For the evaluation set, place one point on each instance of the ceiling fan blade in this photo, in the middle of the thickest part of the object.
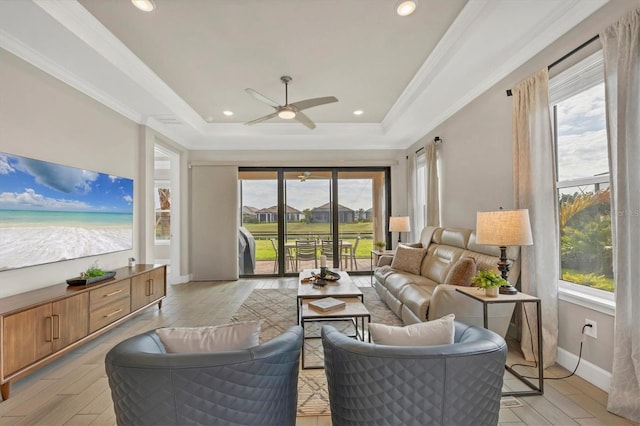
(309, 103)
(262, 98)
(261, 119)
(304, 120)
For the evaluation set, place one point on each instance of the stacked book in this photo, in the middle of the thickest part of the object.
(327, 304)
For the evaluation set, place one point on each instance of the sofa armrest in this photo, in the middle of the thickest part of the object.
(446, 300)
(385, 260)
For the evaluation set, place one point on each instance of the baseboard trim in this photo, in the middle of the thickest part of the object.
(590, 372)
(182, 279)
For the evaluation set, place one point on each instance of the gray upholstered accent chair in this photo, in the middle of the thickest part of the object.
(257, 386)
(457, 384)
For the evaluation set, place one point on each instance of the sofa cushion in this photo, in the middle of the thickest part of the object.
(417, 298)
(228, 337)
(408, 259)
(437, 332)
(439, 260)
(462, 272)
(397, 281)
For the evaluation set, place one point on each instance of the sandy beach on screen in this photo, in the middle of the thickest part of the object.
(33, 245)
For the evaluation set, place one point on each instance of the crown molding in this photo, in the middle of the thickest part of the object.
(45, 64)
(76, 19)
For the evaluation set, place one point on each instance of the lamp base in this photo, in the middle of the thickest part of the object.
(508, 289)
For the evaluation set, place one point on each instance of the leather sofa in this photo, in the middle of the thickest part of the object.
(456, 384)
(427, 296)
(255, 386)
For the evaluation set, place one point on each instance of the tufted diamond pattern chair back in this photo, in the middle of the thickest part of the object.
(458, 384)
(257, 386)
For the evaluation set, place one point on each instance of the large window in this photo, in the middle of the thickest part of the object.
(578, 102)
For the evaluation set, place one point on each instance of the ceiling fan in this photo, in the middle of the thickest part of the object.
(289, 111)
(307, 175)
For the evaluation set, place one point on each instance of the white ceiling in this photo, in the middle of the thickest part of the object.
(177, 68)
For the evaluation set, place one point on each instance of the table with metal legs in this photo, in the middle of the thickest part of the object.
(519, 298)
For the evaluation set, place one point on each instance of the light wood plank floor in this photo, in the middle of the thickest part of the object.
(73, 390)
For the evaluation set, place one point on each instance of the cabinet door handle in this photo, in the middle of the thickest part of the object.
(113, 293)
(117, 311)
(48, 329)
(151, 288)
(56, 327)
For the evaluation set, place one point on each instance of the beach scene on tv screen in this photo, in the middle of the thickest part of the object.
(50, 212)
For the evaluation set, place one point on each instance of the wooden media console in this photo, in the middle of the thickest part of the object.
(41, 325)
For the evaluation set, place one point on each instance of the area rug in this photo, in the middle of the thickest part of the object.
(277, 310)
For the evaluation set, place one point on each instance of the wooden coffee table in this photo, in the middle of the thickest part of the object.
(343, 289)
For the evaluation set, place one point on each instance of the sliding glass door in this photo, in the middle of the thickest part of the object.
(362, 213)
(296, 218)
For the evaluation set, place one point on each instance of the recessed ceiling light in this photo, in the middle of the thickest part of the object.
(228, 113)
(144, 5)
(406, 7)
(358, 112)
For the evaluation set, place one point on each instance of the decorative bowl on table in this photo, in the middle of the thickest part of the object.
(330, 276)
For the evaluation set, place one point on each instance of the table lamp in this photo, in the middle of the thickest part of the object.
(504, 228)
(399, 224)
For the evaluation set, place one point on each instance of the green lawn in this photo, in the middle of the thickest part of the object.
(264, 249)
(262, 233)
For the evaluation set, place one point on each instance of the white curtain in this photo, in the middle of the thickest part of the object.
(432, 185)
(413, 198)
(534, 183)
(621, 47)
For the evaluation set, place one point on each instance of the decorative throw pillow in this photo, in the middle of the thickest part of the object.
(436, 332)
(408, 259)
(228, 337)
(461, 272)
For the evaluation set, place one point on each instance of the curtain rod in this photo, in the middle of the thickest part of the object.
(577, 49)
(436, 140)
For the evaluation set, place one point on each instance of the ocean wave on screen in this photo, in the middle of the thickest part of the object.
(28, 246)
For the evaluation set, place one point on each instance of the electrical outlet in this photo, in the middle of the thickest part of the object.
(593, 330)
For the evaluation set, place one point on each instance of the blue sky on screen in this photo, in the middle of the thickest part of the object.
(28, 184)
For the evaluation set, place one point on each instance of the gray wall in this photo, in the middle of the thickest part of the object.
(43, 118)
(477, 172)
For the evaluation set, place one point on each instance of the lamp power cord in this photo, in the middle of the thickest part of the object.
(535, 361)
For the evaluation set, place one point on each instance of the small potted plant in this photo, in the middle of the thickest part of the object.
(490, 281)
(380, 245)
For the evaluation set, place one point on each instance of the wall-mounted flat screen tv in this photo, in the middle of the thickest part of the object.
(50, 212)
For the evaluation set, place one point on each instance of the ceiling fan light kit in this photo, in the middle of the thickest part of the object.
(286, 113)
(289, 111)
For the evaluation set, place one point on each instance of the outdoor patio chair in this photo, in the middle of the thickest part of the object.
(354, 261)
(288, 259)
(306, 250)
(326, 249)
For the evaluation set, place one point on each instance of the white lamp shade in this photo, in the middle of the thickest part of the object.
(399, 224)
(504, 228)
